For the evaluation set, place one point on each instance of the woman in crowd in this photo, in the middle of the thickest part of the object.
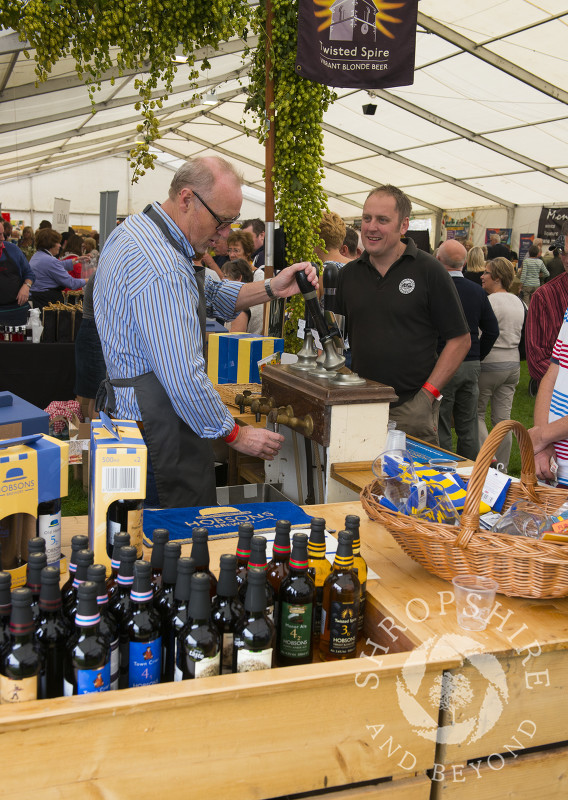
(475, 265)
(500, 369)
(16, 278)
(26, 242)
(244, 322)
(51, 275)
(240, 244)
(533, 268)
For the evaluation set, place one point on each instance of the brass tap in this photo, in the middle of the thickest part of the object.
(261, 405)
(284, 415)
(246, 399)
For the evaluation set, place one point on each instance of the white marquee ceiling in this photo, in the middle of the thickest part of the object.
(485, 123)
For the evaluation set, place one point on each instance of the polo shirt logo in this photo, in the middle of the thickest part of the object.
(406, 286)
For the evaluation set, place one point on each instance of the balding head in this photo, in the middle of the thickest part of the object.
(452, 254)
(494, 238)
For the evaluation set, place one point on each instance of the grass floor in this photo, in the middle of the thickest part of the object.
(75, 504)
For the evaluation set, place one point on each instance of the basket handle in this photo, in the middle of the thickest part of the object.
(470, 515)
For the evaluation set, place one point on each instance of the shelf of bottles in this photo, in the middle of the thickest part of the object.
(171, 619)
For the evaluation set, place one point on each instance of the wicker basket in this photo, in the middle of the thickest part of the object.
(522, 567)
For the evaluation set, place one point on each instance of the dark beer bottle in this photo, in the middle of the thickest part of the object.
(352, 523)
(257, 563)
(253, 643)
(318, 566)
(198, 653)
(125, 515)
(36, 562)
(108, 623)
(87, 668)
(78, 542)
(246, 532)
(120, 540)
(277, 567)
(177, 619)
(159, 537)
(51, 634)
(84, 560)
(140, 634)
(164, 598)
(200, 554)
(119, 597)
(340, 607)
(36, 545)
(297, 608)
(48, 527)
(227, 609)
(20, 662)
(5, 608)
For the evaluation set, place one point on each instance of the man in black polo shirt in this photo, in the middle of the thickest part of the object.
(398, 301)
(462, 391)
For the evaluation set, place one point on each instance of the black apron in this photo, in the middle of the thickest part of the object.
(10, 281)
(183, 463)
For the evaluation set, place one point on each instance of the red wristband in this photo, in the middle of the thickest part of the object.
(432, 389)
(233, 435)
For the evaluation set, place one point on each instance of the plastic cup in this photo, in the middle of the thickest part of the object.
(443, 464)
(475, 597)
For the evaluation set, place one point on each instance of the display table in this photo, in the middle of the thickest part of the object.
(326, 725)
(39, 373)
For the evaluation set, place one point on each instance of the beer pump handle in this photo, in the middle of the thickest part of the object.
(313, 306)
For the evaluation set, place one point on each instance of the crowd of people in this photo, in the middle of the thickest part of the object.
(445, 330)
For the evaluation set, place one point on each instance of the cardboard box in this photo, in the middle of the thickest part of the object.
(234, 357)
(33, 470)
(20, 418)
(117, 471)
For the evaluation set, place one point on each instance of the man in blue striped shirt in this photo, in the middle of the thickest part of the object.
(150, 306)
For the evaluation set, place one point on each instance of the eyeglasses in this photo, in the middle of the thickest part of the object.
(486, 272)
(221, 223)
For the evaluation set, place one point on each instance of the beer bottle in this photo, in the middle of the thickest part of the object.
(87, 668)
(297, 607)
(318, 566)
(108, 623)
(5, 608)
(119, 597)
(140, 634)
(173, 624)
(246, 532)
(48, 527)
(159, 537)
(36, 545)
(51, 634)
(20, 662)
(120, 540)
(36, 562)
(257, 563)
(253, 643)
(200, 554)
(78, 542)
(84, 560)
(198, 653)
(164, 598)
(340, 605)
(227, 608)
(277, 567)
(125, 515)
(352, 522)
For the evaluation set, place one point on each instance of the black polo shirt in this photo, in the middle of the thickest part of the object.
(393, 322)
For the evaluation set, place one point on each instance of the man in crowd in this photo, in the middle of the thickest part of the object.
(256, 228)
(16, 279)
(462, 391)
(496, 247)
(545, 315)
(150, 307)
(350, 247)
(399, 301)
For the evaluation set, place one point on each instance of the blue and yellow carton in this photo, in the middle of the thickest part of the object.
(33, 470)
(117, 463)
(234, 357)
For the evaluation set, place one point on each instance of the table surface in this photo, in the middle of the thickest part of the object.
(419, 603)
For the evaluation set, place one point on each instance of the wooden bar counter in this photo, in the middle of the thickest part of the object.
(429, 710)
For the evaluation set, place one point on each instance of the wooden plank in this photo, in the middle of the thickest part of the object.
(528, 777)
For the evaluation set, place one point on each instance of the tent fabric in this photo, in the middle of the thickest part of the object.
(484, 124)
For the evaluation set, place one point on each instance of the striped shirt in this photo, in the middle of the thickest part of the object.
(146, 310)
(544, 319)
(559, 400)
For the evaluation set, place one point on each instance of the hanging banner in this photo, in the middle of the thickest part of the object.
(60, 221)
(552, 223)
(504, 234)
(361, 44)
(525, 241)
(457, 231)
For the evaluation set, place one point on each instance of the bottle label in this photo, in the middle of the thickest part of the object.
(206, 667)
(318, 624)
(362, 604)
(93, 680)
(135, 530)
(67, 689)
(343, 619)
(114, 663)
(227, 645)
(49, 528)
(112, 529)
(251, 661)
(144, 662)
(178, 674)
(295, 629)
(19, 690)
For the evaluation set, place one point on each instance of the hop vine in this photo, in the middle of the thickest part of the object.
(299, 106)
(126, 36)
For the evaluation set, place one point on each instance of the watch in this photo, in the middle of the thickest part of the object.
(268, 289)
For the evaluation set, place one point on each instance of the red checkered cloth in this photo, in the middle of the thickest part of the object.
(61, 410)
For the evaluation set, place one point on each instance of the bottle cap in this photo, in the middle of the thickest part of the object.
(199, 601)
(36, 562)
(257, 553)
(160, 536)
(97, 574)
(5, 584)
(317, 523)
(50, 594)
(21, 619)
(172, 553)
(185, 569)
(36, 545)
(228, 585)
(87, 609)
(199, 535)
(141, 586)
(84, 560)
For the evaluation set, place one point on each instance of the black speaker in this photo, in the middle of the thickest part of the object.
(369, 109)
